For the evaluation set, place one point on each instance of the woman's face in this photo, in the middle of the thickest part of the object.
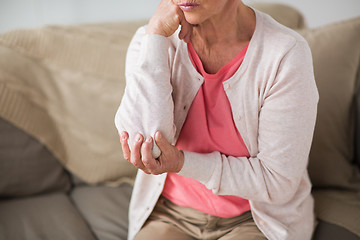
(198, 11)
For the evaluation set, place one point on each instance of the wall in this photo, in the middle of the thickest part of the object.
(320, 12)
(33, 13)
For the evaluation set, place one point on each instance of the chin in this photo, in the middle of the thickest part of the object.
(193, 19)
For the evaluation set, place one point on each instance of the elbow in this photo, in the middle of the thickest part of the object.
(117, 121)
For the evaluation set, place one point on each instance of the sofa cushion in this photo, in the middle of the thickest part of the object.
(63, 85)
(357, 122)
(48, 216)
(26, 166)
(328, 231)
(336, 56)
(105, 209)
(341, 208)
(284, 14)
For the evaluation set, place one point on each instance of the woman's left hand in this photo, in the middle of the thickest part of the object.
(170, 160)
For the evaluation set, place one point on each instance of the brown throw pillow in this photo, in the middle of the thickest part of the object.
(26, 165)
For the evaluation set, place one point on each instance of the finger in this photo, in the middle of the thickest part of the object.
(186, 32)
(162, 142)
(135, 153)
(150, 163)
(124, 136)
(186, 29)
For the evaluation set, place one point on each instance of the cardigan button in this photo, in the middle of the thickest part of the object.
(226, 86)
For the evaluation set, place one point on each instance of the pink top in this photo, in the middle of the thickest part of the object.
(209, 127)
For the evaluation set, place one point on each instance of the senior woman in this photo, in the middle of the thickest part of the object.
(218, 115)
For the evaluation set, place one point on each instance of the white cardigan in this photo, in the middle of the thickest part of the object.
(273, 97)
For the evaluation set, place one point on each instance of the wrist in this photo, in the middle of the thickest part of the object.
(153, 28)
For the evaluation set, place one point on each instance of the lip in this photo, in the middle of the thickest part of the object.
(188, 6)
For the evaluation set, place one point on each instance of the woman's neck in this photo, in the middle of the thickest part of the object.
(217, 41)
(235, 24)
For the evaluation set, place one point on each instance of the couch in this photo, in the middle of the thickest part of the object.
(62, 175)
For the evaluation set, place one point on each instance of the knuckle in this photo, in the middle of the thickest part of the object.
(126, 155)
(152, 168)
(148, 164)
(131, 160)
(134, 160)
(138, 165)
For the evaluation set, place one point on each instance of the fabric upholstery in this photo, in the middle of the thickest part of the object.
(47, 216)
(70, 84)
(105, 209)
(66, 94)
(357, 122)
(336, 56)
(285, 14)
(50, 79)
(26, 166)
(328, 231)
(340, 208)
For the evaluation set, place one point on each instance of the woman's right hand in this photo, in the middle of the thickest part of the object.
(170, 160)
(166, 20)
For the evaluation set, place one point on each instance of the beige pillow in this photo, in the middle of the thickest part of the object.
(335, 176)
(284, 14)
(336, 55)
(63, 85)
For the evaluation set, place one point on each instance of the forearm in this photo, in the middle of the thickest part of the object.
(249, 178)
(147, 104)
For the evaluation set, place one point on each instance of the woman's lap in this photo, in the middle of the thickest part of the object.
(170, 221)
(157, 230)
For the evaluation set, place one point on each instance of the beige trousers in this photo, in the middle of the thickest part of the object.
(170, 221)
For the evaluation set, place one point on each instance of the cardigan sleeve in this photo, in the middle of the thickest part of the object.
(147, 105)
(286, 120)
